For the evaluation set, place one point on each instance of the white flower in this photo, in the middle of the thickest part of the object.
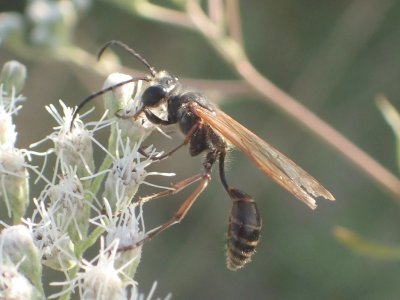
(12, 78)
(128, 173)
(13, 285)
(13, 168)
(127, 228)
(9, 107)
(51, 237)
(67, 220)
(8, 134)
(124, 101)
(14, 180)
(17, 251)
(100, 279)
(68, 203)
(73, 144)
(17, 243)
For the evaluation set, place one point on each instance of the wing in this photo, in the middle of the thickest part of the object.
(273, 163)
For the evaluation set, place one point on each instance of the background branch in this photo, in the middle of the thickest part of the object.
(234, 54)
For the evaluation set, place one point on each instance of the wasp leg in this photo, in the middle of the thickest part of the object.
(176, 188)
(187, 139)
(178, 216)
(181, 213)
(155, 119)
(186, 205)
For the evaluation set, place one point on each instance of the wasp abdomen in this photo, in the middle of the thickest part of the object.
(243, 231)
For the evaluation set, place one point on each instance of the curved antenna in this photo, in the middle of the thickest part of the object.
(101, 92)
(129, 50)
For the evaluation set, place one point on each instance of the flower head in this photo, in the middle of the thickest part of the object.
(14, 181)
(123, 102)
(51, 238)
(15, 286)
(14, 187)
(129, 172)
(12, 77)
(127, 228)
(73, 144)
(68, 203)
(18, 249)
(99, 278)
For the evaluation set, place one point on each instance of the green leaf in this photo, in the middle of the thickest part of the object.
(365, 247)
(392, 117)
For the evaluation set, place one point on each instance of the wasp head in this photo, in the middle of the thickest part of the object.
(161, 88)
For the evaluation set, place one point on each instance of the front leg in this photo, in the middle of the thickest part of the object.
(155, 119)
(149, 115)
(187, 139)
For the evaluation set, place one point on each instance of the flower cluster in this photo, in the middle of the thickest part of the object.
(70, 215)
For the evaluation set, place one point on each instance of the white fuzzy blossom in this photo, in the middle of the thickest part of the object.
(68, 203)
(102, 278)
(124, 101)
(19, 264)
(51, 237)
(99, 278)
(13, 285)
(13, 167)
(9, 106)
(67, 217)
(128, 172)
(13, 180)
(128, 229)
(72, 145)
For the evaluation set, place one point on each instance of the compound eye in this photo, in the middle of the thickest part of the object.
(153, 95)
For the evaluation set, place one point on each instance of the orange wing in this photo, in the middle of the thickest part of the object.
(273, 163)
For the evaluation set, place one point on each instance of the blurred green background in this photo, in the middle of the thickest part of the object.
(334, 57)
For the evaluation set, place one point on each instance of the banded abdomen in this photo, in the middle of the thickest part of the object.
(243, 231)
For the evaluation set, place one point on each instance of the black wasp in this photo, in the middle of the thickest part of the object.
(209, 130)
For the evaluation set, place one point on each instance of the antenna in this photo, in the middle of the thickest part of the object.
(129, 50)
(101, 92)
(153, 73)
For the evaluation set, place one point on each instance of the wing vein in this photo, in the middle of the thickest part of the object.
(272, 162)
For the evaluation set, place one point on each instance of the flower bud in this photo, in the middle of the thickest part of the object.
(8, 135)
(73, 147)
(119, 97)
(127, 230)
(124, 101)
(15, 286)
(12, 77)
(15, 179)
(58, 256)
(100, 279)
(69, 206)
(17, 244)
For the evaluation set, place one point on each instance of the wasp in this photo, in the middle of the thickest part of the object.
(209, 130)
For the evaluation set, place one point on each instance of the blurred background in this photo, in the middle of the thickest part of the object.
(334, 57)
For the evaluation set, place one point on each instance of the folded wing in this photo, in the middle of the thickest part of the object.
(273, 163)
